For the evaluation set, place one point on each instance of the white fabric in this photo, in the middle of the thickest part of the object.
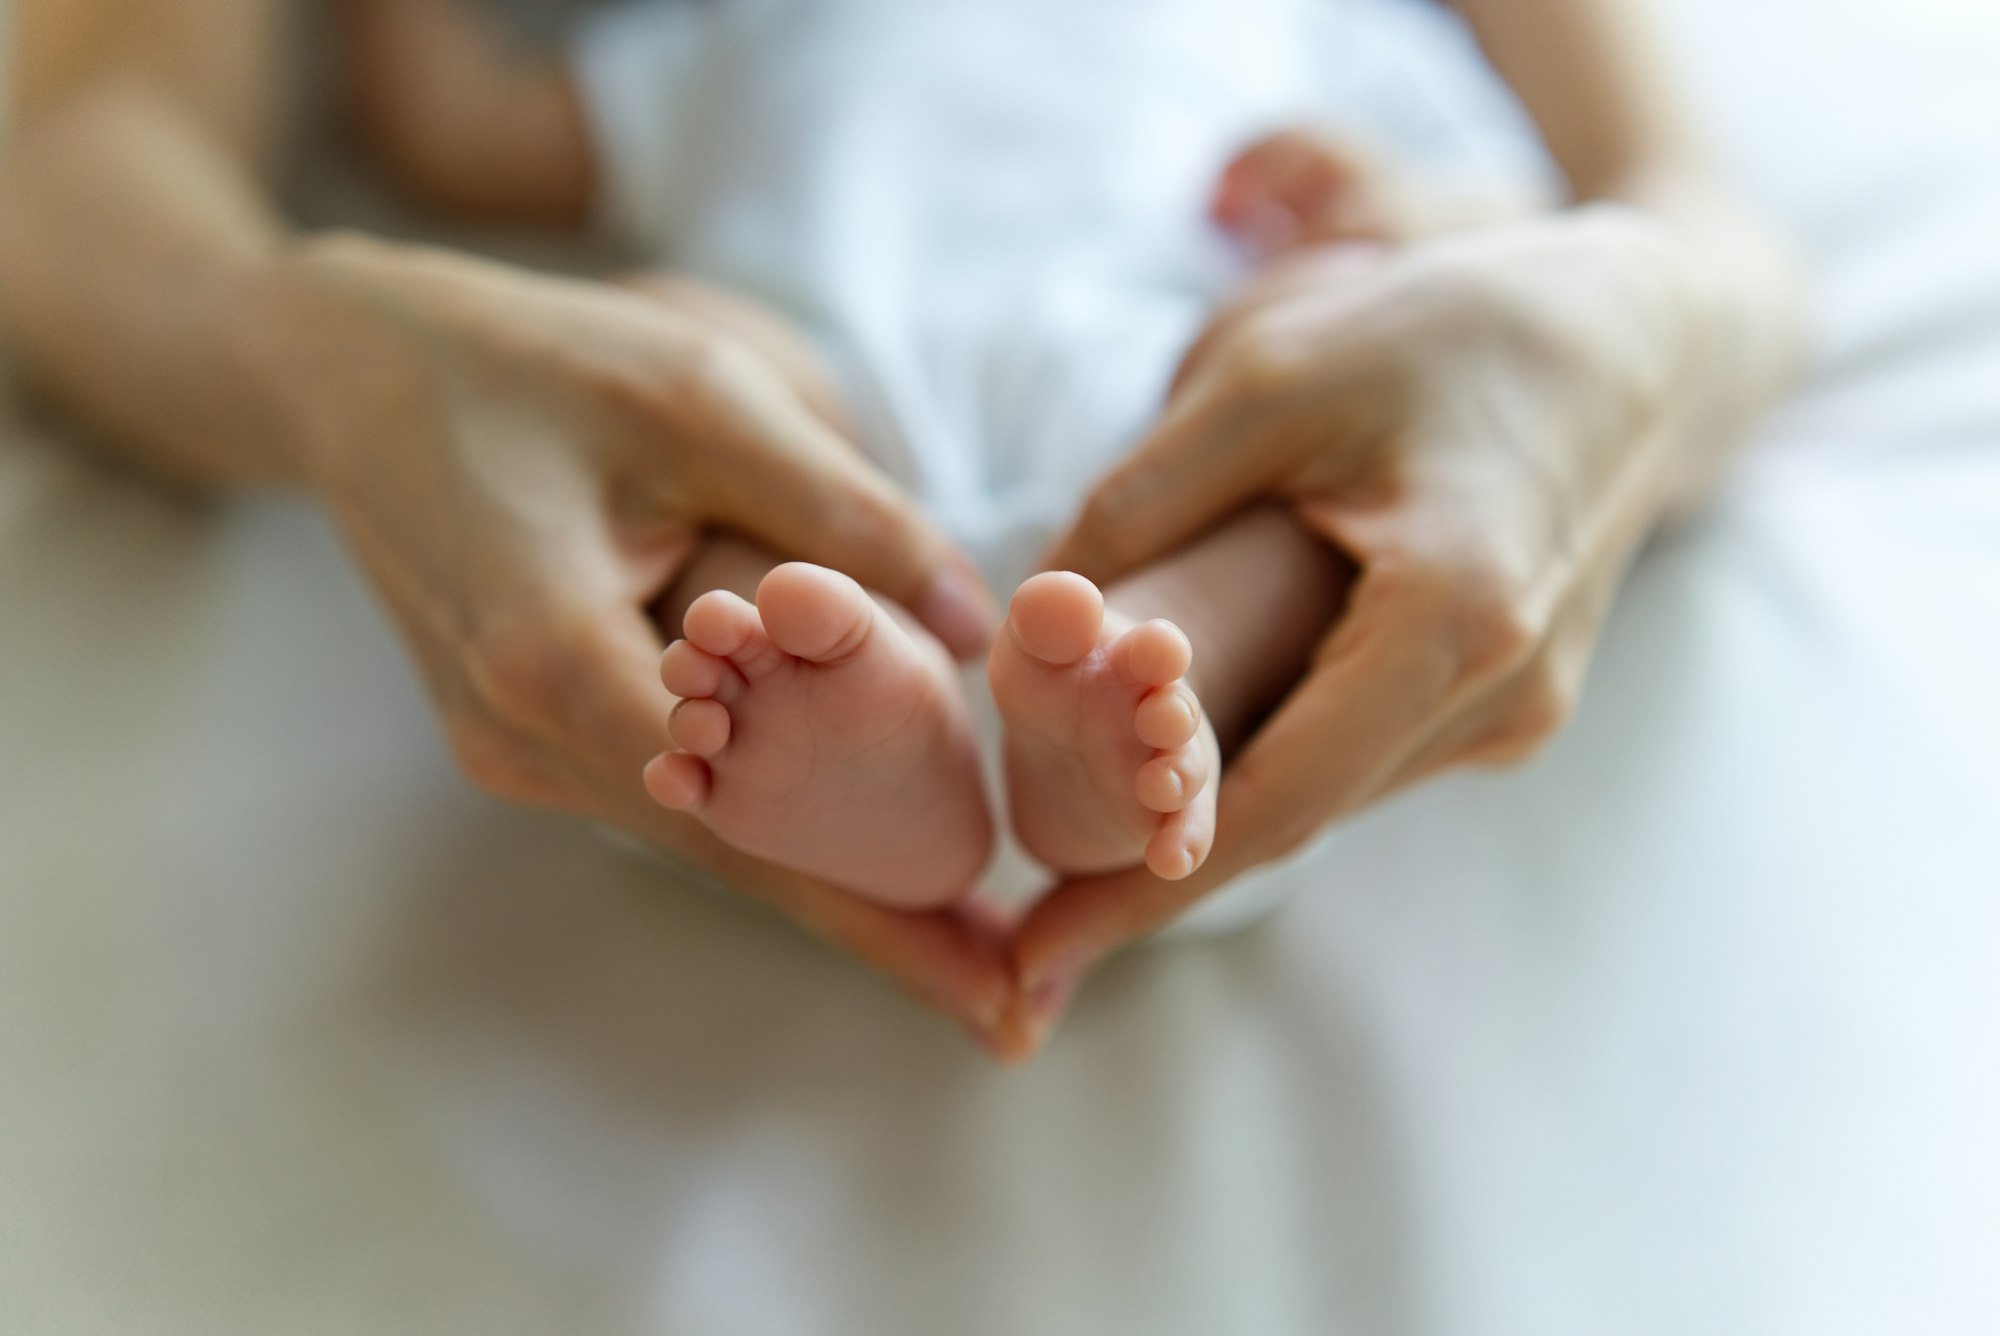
(1685, 1029)
(991, 213)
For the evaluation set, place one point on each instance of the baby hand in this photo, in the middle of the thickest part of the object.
(1311, 186)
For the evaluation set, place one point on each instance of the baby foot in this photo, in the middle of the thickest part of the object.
(1108, 756)
(819, 733)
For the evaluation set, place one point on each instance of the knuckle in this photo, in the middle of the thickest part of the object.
(699, 382)
(1493, 630)
(715, 371)
(1266, 357)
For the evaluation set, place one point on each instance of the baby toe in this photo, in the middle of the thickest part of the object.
(1182, 842)
(1170, 782)
(700, 726)
(677, 781)
(721, 623)
(1167, 717)
(689, 671)
(1056, 617)
(814, 613)
(1154, 653)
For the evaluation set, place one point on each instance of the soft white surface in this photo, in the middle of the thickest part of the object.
(1684, 1030)
(991, 214)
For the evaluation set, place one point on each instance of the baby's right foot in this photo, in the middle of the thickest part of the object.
(1108, 756)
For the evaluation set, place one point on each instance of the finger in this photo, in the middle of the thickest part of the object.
(494, 755)
(1082, 920)
(1379, 693)
(936, 957)
(1285, 288)
(1517, 718)
(1203, 461)
(803, 491)
(617, 712)
(762, 330)
(939, 958)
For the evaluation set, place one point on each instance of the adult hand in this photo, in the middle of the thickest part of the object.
(1489, 425)
(520, 465)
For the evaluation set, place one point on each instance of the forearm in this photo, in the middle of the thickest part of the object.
(134, 228)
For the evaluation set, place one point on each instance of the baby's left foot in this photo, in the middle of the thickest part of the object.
(819, 733)
(1108, 756)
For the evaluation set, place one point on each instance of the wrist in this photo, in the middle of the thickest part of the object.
(1743, 289)
(296, 347)
(1742, 277)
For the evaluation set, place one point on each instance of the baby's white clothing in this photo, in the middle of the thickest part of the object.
(991, 214)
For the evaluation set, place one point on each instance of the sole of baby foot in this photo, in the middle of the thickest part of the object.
(1109, 759)
(819, 732)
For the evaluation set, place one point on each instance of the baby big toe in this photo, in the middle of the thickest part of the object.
(1056, 617)
(700, 726)
(813, 613)
(1168, 783)
(677, 781)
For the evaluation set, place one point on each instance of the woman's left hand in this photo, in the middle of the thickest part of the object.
(1488, 426)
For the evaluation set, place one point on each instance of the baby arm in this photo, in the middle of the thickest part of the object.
(1312, 186)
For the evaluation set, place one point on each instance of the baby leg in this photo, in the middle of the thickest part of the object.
(1120, 706)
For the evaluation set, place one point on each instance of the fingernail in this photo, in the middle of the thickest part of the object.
(1043, 1006)
(1048, 991)
(956, 608)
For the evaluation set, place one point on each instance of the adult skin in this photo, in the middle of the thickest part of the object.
(1489, 425)
(518, 463)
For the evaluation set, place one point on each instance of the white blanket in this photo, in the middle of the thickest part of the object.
(1684, 1029)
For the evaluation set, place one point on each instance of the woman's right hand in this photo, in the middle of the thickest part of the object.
(520, 465)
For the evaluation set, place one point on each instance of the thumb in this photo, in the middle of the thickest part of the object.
(1202, 462)
(804, 491)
